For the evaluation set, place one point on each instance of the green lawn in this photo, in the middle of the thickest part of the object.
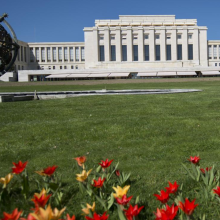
(151, 135)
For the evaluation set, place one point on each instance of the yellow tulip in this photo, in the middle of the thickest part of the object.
(43, 191)
(89, 207)
(6, 180)
(41, 172)
(56, 214)
(120, 191)
(83, 176)
(48, 213)
(43, 214)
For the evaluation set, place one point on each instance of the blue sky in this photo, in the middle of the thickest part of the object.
(64, 20)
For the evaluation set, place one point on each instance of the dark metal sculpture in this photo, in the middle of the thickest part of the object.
(8, 44)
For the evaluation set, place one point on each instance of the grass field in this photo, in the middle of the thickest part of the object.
(151, 135)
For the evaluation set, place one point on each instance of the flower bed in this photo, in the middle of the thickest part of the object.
(106, 191)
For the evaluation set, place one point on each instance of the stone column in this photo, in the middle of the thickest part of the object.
(152, 44)
(40, 58)
(68, 54)
(107, 44)
(57, 51)
(129, 44)
(45, 52)
(118, 44)
(51, 54)
(96, 44)
(140, 44)
(63, 60)
(162, 44)
(80, 54)
(173, 44)
(185, 44)
(196, 44)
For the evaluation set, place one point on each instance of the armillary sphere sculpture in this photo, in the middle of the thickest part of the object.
(8, 44)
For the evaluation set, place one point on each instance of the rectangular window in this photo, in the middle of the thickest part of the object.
(157, 52)
(146, 36)
(135, 37)
(25, 54)
(71, 53)
(135, 52)
(54, 54)
(43, 54)
(37, 54)
(179, 52)
(124, 52)
(157, 36)
(189, 36)
(61, 67)
(21, 53)
(210, 51)
(48, 54)
(101, 37)
(190, 51)
(168, 36)
(179, 36)
(168, 51)
(65, 67)
(215, 64)
(31, 55)
(60, 54)
(146, 52)
(65, 54)
(215, 51)
(112, 37)
(82, 54)
(219, 50)
(77, 53)
(113, 53)
(101, 53)
(54, 67)
(72, 67)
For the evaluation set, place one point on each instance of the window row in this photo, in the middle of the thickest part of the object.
(146, 52)
(214, 51)
(146, 36)
(63, 54)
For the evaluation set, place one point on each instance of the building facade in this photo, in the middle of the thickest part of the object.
(133, 45)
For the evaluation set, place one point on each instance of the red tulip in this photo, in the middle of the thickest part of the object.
(166, 214)
(105, 163)
(99, 183)
(207, 169)
(19, 167)
(132, 211)
(117, 173)
(30, 217)
(163, 197)
(13, 216)
(194, 160)
(49, 170)
(98, 217)
(172, 187)
(42, 200)
(70, 218)
(124, 200)
(188, 207)
(80, 160)
(217, 191)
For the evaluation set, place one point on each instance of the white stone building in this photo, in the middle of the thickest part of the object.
(132, 46)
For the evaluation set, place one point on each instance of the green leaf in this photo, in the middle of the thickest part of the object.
(188, 171)
(98, 169)
(53, 186)
(111, 201)
(137, 200)
(120, 213)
